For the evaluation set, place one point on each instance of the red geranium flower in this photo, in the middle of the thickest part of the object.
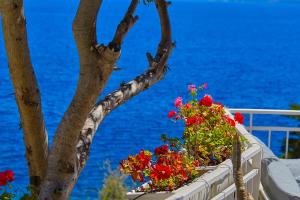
(239, 118)
(196, 120)
(161, 150)
(171, 113)
(187, 106)
(10, 175)
(230, 121)
(160, 172)
(3, 182)
(6, 176)
(144, 159)
(206, 101)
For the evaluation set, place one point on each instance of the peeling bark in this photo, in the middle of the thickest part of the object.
(26, 89)
(156, 71)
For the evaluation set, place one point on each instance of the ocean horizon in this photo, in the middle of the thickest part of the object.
(247, 53)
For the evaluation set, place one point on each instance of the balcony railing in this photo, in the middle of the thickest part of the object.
(270, 129)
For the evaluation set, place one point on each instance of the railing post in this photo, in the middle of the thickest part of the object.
(269, 138)
(287, 144)
(251, 122)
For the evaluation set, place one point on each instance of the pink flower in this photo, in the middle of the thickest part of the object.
(192, 88)
(178, 102)
(206, 101)
(172, 113)
(239, 118)
(205, 86)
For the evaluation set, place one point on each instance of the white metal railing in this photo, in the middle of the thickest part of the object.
(270, 129)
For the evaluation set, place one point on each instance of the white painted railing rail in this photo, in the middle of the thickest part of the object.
(270, 129)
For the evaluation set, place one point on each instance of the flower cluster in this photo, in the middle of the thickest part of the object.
(206, 140)
(6, 177)
(136, 165)
(8, 192)
(209, 130)
(166, 170)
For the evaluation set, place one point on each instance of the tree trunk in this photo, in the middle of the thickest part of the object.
(241, 192)
(26, 89)
(56, 174)
(96, 65)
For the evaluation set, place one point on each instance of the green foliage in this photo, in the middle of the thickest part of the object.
(294, 142)
(30, 195)
(295, 107)
(7, 196)
(113, 187)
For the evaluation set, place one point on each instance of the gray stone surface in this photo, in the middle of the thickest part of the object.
(280, 178)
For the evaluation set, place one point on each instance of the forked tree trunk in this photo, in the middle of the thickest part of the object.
(59, 171)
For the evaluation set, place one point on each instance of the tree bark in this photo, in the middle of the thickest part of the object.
(26, 89)
(96, 65)
(241, 192)
(58, 171)
(156, 71)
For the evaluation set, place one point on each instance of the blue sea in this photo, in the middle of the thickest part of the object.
(248, 53)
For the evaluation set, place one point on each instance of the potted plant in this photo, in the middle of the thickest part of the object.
(206, 141)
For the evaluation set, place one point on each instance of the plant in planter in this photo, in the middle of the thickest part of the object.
(207, 140)
(208, 132)
(166, 170)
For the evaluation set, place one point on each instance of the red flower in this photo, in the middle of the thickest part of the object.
(144, 159)
(196, 120)
(230, 121)
(239, 118)
(206, 101)
(161, 150)
(171, 113)
(160, 172)
(196, 163)
(178, 102)
(6, 176)
(187, 106)
(3, 182)
(10, 175)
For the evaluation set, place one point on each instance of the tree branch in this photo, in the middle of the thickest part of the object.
(26, 89)
(96, 65)
(156, 71)
(127, 22)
